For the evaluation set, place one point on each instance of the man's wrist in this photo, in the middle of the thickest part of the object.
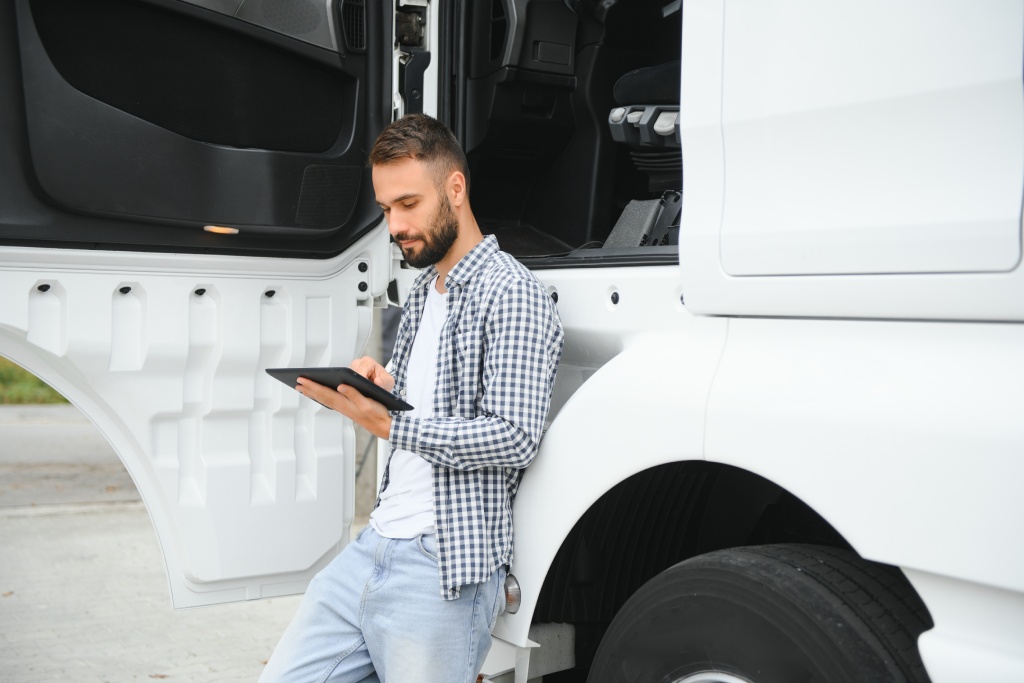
(383, 429)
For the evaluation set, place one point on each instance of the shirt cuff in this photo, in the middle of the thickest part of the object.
(405, 432)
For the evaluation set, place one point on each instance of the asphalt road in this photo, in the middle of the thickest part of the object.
(83, 590)
(52, 455)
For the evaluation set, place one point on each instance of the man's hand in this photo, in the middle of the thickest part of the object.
(367, 413)
(374, 371)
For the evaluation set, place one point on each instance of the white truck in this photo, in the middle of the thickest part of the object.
(784, 237)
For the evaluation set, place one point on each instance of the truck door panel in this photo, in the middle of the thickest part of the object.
(177, 117)
(128, 127)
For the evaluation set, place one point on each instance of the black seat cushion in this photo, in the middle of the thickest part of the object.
(650, 85)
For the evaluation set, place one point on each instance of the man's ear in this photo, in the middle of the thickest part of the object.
(456, 188)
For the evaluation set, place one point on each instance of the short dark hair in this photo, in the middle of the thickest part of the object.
(420, 137)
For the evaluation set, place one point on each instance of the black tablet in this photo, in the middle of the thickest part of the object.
(332, 377)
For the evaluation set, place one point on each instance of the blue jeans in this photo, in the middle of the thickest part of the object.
(375, 613)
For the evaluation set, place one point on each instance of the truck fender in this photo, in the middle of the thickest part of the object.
(630, 415)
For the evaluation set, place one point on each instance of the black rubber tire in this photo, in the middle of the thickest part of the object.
(768, 614)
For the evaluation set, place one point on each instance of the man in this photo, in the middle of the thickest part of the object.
(414, 598)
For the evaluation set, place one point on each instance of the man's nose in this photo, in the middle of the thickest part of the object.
(396, 225)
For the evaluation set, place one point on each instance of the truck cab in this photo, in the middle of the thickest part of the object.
(784, 239)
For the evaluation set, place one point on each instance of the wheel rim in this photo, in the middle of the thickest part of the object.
(711, 677)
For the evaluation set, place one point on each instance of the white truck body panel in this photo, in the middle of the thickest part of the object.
(616, 380)
(907, 437)
(845, 177)
(901, 427)
(978, 630)
(875, 424)
(872, 139)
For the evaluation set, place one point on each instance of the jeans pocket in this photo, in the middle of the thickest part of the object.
(427, 543)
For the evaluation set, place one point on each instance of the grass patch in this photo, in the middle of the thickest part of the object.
(18, 385)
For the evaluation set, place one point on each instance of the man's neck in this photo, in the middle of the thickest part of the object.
(469, 237)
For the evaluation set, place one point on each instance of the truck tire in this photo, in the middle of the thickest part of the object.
(767, 614)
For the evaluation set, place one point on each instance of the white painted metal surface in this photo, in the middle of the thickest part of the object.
(872, 137)
(907, 437)
(853, 159)
(904, 435)
(978, 630)
(249, 486)
(631, 394)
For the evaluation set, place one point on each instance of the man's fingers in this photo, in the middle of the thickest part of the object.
(335, 399)
(369, 414)
(365, 366)
(305, 385)
(373, 371)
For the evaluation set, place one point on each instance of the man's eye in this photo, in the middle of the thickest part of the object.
(409, 205)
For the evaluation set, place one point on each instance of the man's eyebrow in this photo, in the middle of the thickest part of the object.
(408, 195)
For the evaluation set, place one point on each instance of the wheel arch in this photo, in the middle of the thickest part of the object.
(655, 519)
(622, 520)
(624, 449)
(593, 444)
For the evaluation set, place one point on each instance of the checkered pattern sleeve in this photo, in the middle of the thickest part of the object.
(520, 346)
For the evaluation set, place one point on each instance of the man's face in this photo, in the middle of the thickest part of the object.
(420, 217)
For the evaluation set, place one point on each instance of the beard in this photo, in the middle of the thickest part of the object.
(438, 241)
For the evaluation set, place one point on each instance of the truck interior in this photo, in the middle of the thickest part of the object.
(135, 124)
(570, 122)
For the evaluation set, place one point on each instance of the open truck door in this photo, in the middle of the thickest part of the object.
(185, 202)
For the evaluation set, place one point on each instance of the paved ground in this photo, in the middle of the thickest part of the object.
(83, 593)
(53, 455)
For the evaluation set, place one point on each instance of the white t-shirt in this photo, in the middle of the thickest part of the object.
(406, 507)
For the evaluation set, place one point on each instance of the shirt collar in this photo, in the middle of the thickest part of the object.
(465, 269)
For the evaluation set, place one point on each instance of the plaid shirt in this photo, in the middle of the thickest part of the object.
(499, 349)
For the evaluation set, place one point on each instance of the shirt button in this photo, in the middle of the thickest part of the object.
(402, 392)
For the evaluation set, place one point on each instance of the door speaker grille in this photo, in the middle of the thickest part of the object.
(293, 17)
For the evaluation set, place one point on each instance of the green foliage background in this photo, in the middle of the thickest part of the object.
(17, 385)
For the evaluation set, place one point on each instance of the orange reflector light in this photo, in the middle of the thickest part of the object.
(220, 229)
